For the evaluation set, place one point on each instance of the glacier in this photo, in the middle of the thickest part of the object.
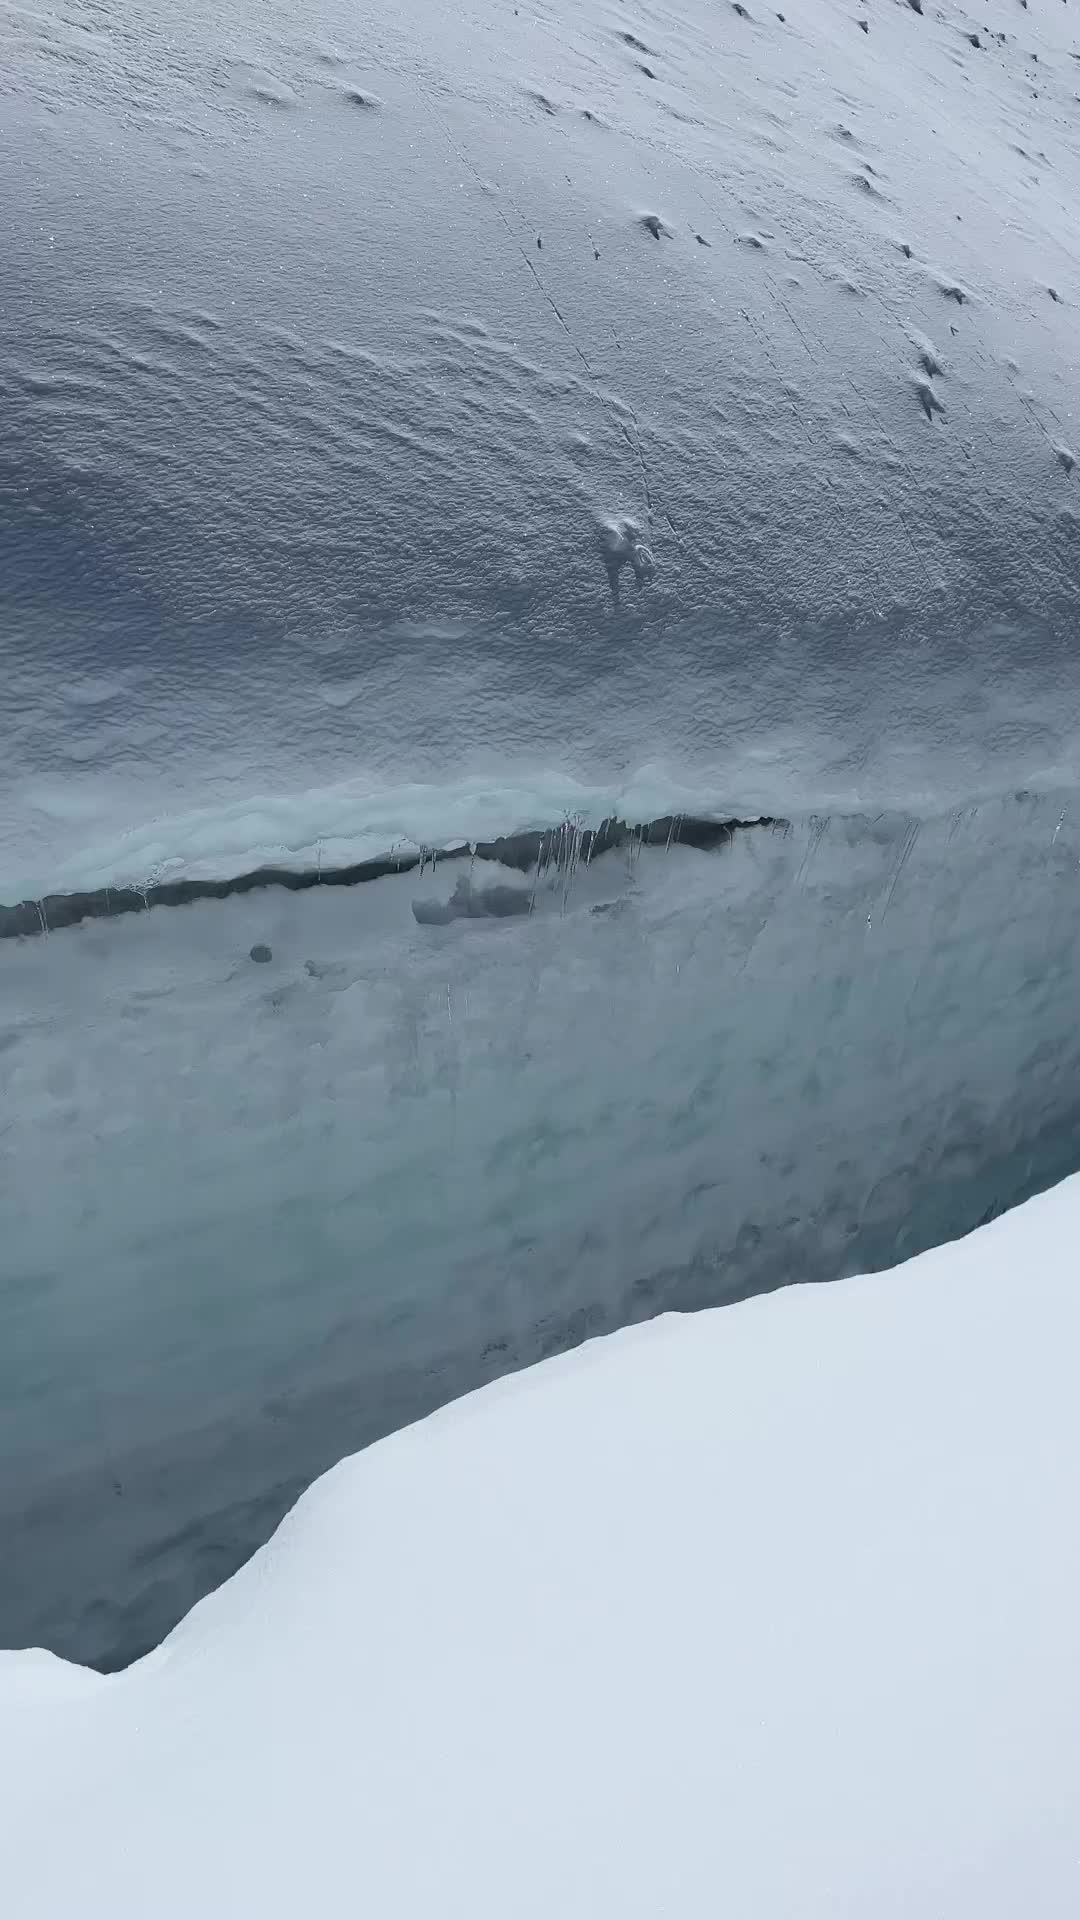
(424, 434)
(284, 1171)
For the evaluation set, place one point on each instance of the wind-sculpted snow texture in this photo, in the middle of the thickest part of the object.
(527, 397)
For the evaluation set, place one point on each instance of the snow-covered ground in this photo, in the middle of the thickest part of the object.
(770, 1611)
(333, 337)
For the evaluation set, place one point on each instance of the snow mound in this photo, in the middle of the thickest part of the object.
(767, 1611)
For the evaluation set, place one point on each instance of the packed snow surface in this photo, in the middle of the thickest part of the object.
(768, 1611)
(422, 422)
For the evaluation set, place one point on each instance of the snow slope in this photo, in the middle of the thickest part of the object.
(769, 1611)
(335, 341)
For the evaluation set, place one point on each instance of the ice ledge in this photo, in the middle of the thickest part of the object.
(770, 1610)
(563, 848)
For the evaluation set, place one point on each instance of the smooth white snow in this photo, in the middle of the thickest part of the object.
(770, 1611)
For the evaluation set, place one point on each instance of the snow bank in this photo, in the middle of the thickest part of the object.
(768, 1611)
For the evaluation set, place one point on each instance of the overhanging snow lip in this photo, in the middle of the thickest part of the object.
(555, 847)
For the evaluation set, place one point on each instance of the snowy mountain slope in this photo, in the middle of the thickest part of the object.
(772, 1610)
(333, 341)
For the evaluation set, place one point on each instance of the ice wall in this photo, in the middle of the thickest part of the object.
(420, 425)
(280, 1172)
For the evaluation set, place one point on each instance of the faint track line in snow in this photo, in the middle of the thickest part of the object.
(819, 827)
(905, 854)
(803, 428)
(464, 161)
(814, 350)
(817, 355)
(633, 438)
(902, 458)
